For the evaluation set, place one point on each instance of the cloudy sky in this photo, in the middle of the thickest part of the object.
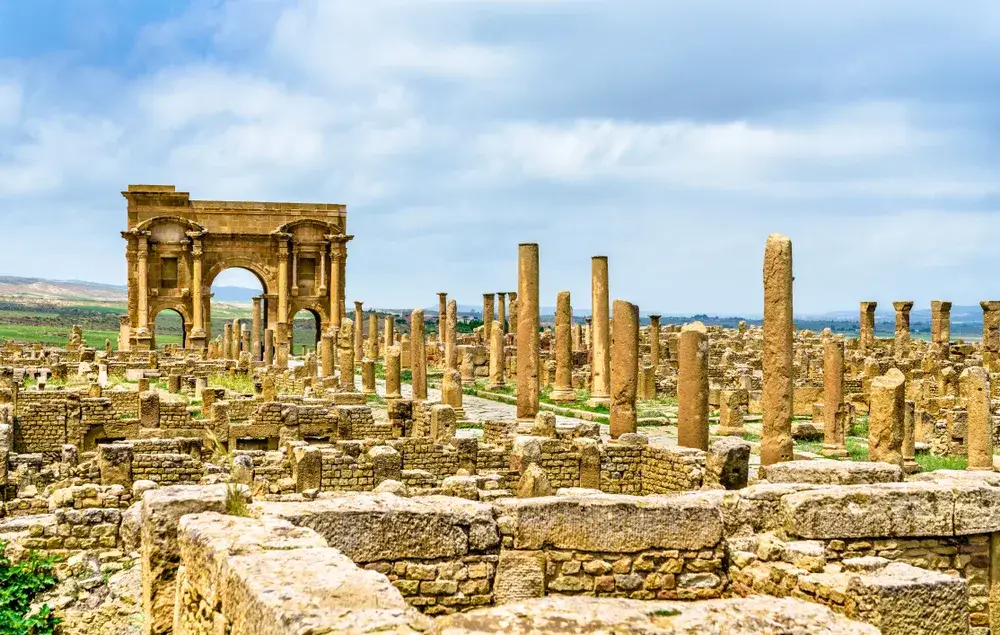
(670, 136)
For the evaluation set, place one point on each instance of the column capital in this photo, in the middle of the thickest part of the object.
(869, 306)
(990, 305)
(655, 317)
(902, 306)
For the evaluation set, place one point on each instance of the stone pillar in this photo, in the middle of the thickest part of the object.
(345, 344)
(326, 354)
(867, 336)
(885, 418)
(779, 374)
(512, 312)
(198, 340)
(368, 377)
(442, 316)
(910, 465)
(941, 324)
(388, 331)
(451, 389)
(358, 330)
(577, 330)
(488, 299)
(124, 332)
(692, 386)
(227, 340)
(600, 367)
(234, 353)
(497, 361)
(392, 370)
(283, 291)
(991, 325)
(142, 274)
(974, 384)
(269, 347)
(255, 348)
(654, 341)
(451, 336)
(336, 305)
(501, 313)
(901, 342)
(625, 368)
(527, 331)
(418, 355)
(373, 337)
(562, 391)
(834, 443)
(244, 339)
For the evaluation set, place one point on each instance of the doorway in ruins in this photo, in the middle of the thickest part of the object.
(232, 293)
(169, 328)
(307, 331)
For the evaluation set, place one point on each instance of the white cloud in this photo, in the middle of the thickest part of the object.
(10, 103)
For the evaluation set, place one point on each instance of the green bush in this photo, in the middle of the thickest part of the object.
(19, 584)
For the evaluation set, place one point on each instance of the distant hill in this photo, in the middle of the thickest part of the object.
(41, 289)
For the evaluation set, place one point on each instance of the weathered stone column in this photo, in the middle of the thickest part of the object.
(991, 325)
(867, 336)
(600, 367)
(624, 368)
(442, 317)
(974, 385)
(512, 312)
(497, 361)
(834, 442)
(345, 344)
(941, 324)
(562, 391)
(359, 324)
(451, 331)
(501, 313)
(326, 353)
(284, 329)
(910, 465)
(227, 340)
(124, 332)
(198, 340)
(654, 341)
(527, 331)
(373, 337)
(142, 275)
(777, 399)
(255, 328)
(418, 355)
(237, 334)
(886, 417)
(389, 331)
(488, 299)
(269, 347)
(692, 386)
(244, 339)
(901, 341)
(577, 337)
(336, 304)
(392, 371)
(367, 377)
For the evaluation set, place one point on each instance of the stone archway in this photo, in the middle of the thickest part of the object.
(179, 311)
(176, 246)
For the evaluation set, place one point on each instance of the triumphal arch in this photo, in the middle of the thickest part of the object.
(176, 246)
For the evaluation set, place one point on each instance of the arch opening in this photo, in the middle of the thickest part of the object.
(234, 292)
(169, 329)
(306, 332)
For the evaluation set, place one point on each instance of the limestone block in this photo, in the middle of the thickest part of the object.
(830, 472)
(533, 483)
(520, 576)
(243, 471)
(307, 468)
(115, 464)
(728, 462)
(544, 424)
(373, 527)
(387, 463)
(863, 511)
(590, 462)
(640, 522)
(905, 600)
(525, 452)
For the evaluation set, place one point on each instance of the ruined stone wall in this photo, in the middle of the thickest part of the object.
(41, 427)
(673, 469)
(167, 468)
(174, 415)
(125, 402)
(621, 469)
(421, 453)
(347, 473)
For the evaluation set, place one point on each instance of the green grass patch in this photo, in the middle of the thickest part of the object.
(931, 462)
(751, 436)
(236, 505)
(239, 383)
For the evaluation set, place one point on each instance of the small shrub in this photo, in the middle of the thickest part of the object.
(236, 505)
(19, 584)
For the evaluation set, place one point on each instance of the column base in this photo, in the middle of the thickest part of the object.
(910, 466)
(563, 395)
(496, 386)
(198, 342)
(599, 400)
(735, 431)
(143, 341)
(834, 452)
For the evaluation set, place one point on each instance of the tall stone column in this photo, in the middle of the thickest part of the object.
(388, 331)
(588, 335)
(255, 346)
(336, 306)
(269, 347)
(497, 361)
(834, 443)
(886, 418)
(283, 331)
(227, 340)
(244, 339)
(941, 324)
(910, 465)
(327, 345)
(237, 334)
(418, 355)
(991, 325)
(562, 391)
(512, 312)
(373, 337)
(654, 341)
(124, 332)
(577, 330)
(527, 331)
(501, 312)
(442, 317)
(199, 339)
(345, 344)
(488, 300)
(867, 335)
(143, 336)
(359, 323)
(974, 384)
(451, 330)
(600, 367)
(625, 368)
(692, 386)
(901, 341)
(779, 374)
